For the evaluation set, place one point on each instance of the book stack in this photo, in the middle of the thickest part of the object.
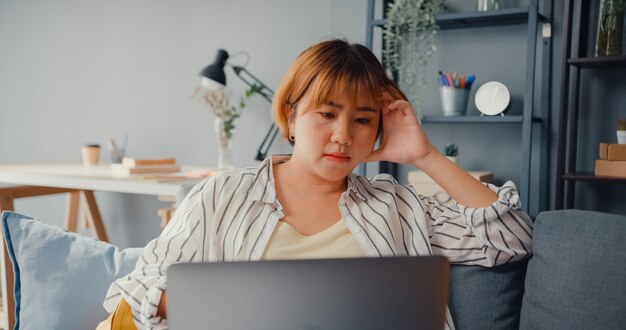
(612, 161)
(131, 165)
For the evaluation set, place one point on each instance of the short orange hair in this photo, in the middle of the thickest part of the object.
(321, 69)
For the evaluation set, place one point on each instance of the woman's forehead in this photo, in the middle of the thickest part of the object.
(358, 95)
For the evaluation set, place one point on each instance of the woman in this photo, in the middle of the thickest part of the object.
(332, 105)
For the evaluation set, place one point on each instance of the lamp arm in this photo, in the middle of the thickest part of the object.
(267, 94)
(267, 143)
(245, 76)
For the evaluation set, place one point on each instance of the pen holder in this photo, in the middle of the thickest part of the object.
(117, 155)
(454, 100)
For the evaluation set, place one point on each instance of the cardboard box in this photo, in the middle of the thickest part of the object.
(612, 151)
(603, 151)
(424, 185)
(615, 168)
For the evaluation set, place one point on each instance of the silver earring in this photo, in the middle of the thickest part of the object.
(292, 137)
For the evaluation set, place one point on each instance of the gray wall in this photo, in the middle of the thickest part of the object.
(75, 72)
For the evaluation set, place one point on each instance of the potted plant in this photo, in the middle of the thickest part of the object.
(451, 151)
(408, 35)
(621, 131)
(610, 28)
(225, 116)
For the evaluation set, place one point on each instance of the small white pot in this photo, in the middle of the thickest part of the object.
(453, 159)
(621, 137)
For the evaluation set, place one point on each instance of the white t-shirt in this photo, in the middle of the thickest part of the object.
(335, 241)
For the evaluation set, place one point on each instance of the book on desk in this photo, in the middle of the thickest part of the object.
(131, 165)
(135, 162)
(158, 169)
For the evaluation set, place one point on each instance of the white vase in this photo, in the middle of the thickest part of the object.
(224, 160)
(621, 136)
(453, 159)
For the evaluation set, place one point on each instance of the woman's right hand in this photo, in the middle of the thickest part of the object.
(403, 140)
(162, 309)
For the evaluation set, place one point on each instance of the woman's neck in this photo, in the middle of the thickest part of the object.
(295, 175)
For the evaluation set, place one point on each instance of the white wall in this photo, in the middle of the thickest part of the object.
(74, 72)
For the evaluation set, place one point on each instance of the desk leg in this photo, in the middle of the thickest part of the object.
(8, 301)
(93, 215)
(6, 203)
(71, 211)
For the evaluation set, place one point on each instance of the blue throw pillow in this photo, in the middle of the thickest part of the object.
(61, 278)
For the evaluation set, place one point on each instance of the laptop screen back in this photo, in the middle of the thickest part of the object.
(360, 293)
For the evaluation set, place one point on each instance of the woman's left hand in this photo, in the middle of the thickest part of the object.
(402, 139)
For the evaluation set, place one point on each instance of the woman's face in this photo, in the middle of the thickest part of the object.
(332, 139)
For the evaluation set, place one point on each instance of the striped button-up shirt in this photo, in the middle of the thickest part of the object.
(231, 217)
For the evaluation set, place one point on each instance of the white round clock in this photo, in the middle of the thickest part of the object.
(492, 98)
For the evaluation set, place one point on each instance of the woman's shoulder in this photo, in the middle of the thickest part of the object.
(237, 177)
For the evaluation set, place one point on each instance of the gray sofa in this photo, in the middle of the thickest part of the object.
(576, 279)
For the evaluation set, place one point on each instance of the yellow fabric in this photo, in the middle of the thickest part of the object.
(121, 319)
(334, 242)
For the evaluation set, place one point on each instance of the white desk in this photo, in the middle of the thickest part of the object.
(98, 178)
(80, 182)
(29, 180)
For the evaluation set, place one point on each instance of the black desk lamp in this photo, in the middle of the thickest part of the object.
(213, 76)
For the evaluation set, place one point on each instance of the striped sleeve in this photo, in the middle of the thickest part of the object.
(488, 236)
(181, 241)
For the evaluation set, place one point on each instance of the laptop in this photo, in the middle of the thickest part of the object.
(358, 293)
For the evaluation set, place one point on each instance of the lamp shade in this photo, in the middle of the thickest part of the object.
(213, 75)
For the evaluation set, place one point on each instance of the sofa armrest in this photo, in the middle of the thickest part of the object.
(576, 277)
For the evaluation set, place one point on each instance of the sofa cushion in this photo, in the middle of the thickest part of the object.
(576, 278)
(486, 298)
(61, 278)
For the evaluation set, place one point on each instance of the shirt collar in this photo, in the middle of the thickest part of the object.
(264, 188)
(355, 186)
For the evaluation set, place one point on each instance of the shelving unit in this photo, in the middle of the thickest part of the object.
(534, 20)
(477, 119)
(598, 62)
(578, 17)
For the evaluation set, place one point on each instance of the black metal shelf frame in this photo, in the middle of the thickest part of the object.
(520, 15)
(478, 119)
(598, 62)
(573, 63)
(507, 16)
(575, 60)
(590, 177)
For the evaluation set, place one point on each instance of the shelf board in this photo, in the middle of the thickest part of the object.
(378, 22)
(598, 62)
(476, 119)
(590, 177)
(507, 16)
